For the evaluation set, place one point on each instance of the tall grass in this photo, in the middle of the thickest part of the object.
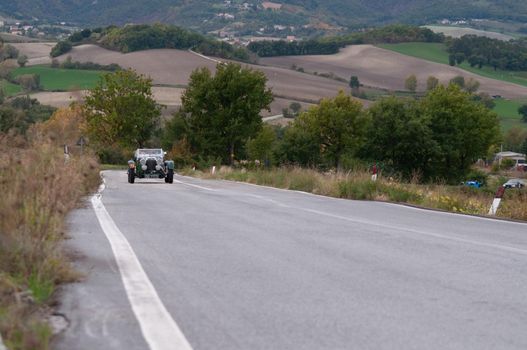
(358, 185)
(38, 190)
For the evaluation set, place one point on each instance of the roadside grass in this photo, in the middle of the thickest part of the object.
(358, 185)
(38, 190)
(9, 88)
(436, 52)
(56, 79)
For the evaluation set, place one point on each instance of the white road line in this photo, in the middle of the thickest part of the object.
(377, 224)
(431, 234)
(197, 186)
(159, 328)
(2, 346)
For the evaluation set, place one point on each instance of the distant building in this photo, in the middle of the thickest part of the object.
(518, 158)
(268, 5)
(291, 38)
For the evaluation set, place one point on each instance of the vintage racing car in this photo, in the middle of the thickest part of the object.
(149, 163)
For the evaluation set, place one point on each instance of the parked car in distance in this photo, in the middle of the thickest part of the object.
(514, 183)
(473, 183)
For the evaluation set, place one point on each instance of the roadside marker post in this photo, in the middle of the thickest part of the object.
(497, 200)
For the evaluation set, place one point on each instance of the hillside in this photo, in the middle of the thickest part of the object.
(251, 14)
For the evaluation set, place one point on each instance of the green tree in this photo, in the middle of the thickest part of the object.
(121, 110)
(339, 125)
(223, 110)
(22, 60)
(261, 146)
(458, 80)
(431, 83)
(299, 146)
(295, 108)
(29, 82)
(522, 110)
(462, 128)
(354, 82)
(411, 83)
(514, 138)
(472, 85)
(401, 137)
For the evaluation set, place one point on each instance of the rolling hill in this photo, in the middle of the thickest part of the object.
(203, 14)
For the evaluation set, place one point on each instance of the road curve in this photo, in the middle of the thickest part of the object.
(246, 267)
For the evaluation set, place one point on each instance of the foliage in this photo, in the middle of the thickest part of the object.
(121, 110)
(22, 60)
(338, 125)
(261, 146)
(221, 112)
(480, 51)
(18, 114)
(514, 139)
(431, 83)
(411, 83)
(8, 52)
(523, 111)
(463, 130)
(354, 82)
(397, 33)
(400, 136)
(69, 64)
(143, 37)
(38, 191)
(29, 82)
(61, 48)
(268, 48)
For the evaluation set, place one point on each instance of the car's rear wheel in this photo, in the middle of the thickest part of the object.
(170, 176)
(131, 176)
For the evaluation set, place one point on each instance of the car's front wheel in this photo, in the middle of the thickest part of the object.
(170, 176)
(131, 176)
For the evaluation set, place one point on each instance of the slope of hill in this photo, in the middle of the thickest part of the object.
(386, 69)
(209, 14)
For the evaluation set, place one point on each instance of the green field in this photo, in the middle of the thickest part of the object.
(435, 52)
(507, 110)
(55, 79)
(9, 88)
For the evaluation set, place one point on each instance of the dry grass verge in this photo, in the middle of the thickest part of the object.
(38, 190)
(358, 185)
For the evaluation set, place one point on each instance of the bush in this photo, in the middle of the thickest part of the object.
(357, 189)
(61, 48)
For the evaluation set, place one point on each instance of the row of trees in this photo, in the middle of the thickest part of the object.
(482, 51)
(438, 136)
(156, 36)
(397, 33)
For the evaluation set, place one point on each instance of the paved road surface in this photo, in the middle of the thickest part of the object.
(245, 267)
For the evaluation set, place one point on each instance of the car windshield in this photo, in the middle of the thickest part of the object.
(147, 151)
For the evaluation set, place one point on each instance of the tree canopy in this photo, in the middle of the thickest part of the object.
(121, 110)
(222, 111)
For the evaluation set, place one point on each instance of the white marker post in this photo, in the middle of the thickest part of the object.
(497, 200)
(213, 170)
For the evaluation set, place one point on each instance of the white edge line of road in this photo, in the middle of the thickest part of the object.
(2, 346)
(400, 205)
(159, 329)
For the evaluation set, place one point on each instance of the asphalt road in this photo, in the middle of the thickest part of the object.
(245, 267)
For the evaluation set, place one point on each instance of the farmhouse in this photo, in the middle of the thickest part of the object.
(518, 158)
